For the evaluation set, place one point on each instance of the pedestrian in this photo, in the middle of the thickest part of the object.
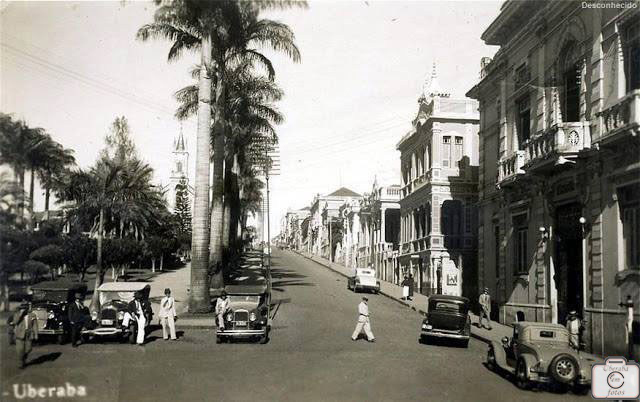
(485, 308)
(410, 287)
(222, 306)
(167, 316)
(364, 322)
(575, 326)
(25, 329)
(405, 288)
(140, 310)
(78, 317)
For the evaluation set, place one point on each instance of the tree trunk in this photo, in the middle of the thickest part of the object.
(153, 264)
(199, 300)
(31, 193)
(99, 274)
(4, 291)
(161, 261)
(217, 206)
(228, 201)
(47, 196)
(235, 204)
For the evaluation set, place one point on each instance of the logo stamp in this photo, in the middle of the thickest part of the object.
(615, 379)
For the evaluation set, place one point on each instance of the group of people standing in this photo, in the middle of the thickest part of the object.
(25, 322)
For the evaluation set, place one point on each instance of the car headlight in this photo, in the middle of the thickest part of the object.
(94, 315)
(120, 315)
(252, 316)
(52, 316)
(229, 317)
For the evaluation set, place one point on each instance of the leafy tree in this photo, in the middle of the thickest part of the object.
(79, 252)
(52, 255)
(35, 269)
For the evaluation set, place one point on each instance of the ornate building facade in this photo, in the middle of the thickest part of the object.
(439, 169)
(559, 184)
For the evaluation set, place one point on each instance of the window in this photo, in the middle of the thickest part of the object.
(571, 101)
(629, 199)
(446, 151)
(547, 334)
(520, 244)
(631, 50)
(458, 150)
(523, 122)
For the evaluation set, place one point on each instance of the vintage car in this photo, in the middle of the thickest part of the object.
(447, 317)
(248, 314)
(106, 319)
(364, 279)
(49, 303)
(542, 353)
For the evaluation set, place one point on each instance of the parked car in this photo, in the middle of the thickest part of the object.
(49, 303)
(364, 279)
(542, 353)
(248, 315)
(447, 317)
(114, 298)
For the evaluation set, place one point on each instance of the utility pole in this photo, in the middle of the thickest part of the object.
(330, 243)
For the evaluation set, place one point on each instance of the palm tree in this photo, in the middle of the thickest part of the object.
(53, 167)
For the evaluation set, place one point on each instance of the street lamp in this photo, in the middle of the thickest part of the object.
(583, 224)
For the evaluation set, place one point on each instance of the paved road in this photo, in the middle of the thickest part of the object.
(310, 357)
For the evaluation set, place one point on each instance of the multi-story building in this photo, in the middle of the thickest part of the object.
(291, 228)
(439, 169)
(559, 183)
(324, 214)
(379, 232)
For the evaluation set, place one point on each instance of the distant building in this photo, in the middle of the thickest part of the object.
(560, 168)
(179, 173)
(291, 228)
(438, 205)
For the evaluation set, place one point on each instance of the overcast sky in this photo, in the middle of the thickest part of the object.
(71, 68)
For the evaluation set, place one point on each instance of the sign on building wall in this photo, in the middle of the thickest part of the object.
(451, 279)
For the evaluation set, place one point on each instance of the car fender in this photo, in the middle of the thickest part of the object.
(529, 360)
(499, 353)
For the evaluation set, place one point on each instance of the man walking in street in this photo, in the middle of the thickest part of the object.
(140, 311)
(363, 322)
(575, 327)
(25, 325)
(222, 306)
(405, 288)
(167, 315)
(78, 317)
(485, 308)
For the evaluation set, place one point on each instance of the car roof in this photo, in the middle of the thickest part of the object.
(545, 325)
(245, 289)
(123, 286)
(452, 298)
(59, 285)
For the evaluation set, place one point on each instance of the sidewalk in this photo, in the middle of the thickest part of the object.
(419, 302)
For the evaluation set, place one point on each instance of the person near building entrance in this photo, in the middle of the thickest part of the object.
(405, 288)
(411, 285)
(485, 309)
(222, 306)
(167, 315)
(25, 329)
(78, 317)
(364, 323)
(139, 310)
(575, 327)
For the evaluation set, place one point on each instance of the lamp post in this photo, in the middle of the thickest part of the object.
(583, 224)
(629, 305)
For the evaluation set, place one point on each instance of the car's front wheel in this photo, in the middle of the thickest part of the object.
(564, 368)
(522, 381)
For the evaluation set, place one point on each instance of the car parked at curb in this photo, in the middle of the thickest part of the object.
(364, 279)
(248, 314)
(542, 353)
(447, 318)
(107, 318)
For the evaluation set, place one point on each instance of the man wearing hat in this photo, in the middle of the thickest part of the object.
(575, 327)
(141, 311)
(78, 317)
(363, 322)
(222, 306)
(167, 315)
(25, 328)
(485, 308)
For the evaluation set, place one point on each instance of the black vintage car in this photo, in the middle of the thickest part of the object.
(447, 317)
(49, 303)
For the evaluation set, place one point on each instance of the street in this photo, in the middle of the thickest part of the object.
(310, 356)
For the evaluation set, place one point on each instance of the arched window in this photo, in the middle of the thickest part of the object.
(179, 167)
(571, 79)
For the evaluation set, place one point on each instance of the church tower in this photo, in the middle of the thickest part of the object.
(179, 170)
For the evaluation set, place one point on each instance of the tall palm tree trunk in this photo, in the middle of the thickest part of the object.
(217, 205)
(228, 201)
(99, 273)
(199, 300)
(47, 196)
(31, 192)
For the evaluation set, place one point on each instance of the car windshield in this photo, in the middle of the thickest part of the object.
(106, 297)
(55, 296)
(449, 307)
(244, 298)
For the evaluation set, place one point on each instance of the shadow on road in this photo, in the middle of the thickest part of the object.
(49, 357)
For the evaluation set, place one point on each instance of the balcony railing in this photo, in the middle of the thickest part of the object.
(561, 140)
(622, 116)
(511, 167)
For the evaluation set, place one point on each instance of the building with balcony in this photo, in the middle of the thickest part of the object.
(439, 169)
(559, 179)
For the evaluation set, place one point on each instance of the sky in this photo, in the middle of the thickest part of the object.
(73, 67)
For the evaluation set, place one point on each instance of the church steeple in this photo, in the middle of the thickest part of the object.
(431, 87)
(180, 157)
(178, 143)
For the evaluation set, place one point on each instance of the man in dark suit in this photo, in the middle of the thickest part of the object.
(78, 317)
(140, 310)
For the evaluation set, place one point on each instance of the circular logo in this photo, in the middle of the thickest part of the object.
(615, 380)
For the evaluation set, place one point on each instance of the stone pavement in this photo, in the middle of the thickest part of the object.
(419, 302)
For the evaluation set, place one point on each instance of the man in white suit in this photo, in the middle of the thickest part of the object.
(222, 306)
(167, 315)
(363, 322)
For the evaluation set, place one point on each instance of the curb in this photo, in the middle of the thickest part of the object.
(479, 337)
